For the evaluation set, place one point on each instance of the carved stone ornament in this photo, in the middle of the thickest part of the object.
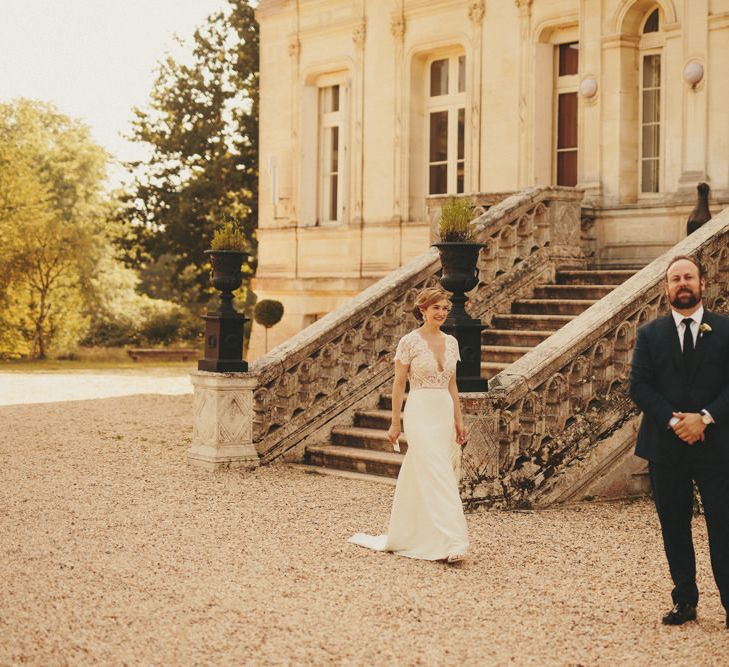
(476, 11)
(222, 433)
(397, 25)
(588, 87)
(359, 33)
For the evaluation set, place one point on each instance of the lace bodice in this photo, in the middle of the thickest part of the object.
(413, 351)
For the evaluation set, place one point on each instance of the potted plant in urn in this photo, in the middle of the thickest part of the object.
(459, 258)
(224, 324)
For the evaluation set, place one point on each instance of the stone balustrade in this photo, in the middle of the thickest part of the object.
(308, 381)
(549, 408)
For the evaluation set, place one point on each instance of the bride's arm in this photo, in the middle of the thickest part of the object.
(461, 435)
(398, 391)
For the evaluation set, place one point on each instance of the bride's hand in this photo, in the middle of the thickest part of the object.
(461, 434)
(393, 433)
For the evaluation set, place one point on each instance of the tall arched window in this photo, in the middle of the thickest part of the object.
(565, 154)
(651, 54)
(446, 124)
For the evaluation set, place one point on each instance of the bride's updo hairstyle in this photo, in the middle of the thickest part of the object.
(426, 298)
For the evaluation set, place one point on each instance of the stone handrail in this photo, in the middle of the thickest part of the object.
(334, 362)
(550, 406)
(301, 387)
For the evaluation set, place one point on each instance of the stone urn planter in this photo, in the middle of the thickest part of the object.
(459, 275)
(224, 324)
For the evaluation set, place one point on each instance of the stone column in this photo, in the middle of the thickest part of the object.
(399, 195)
(476, 12)
(524, 8)
(222, 432)
(590, 148)
(695, 136)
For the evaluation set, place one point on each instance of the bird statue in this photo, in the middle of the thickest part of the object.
(701, 213)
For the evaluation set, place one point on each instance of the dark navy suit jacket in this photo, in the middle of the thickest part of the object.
(660, 385)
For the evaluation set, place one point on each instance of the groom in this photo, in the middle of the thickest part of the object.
(680, 380)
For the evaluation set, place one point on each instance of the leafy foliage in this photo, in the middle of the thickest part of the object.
(61, 282)
(455, 220)
(202, 126)
(229, 237)
(51, 213)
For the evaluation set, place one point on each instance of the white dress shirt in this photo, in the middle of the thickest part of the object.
(697, 316)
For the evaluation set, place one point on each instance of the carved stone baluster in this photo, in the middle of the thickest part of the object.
(526, 243)
(507, 249)
(285, 392)
(530, 423)
(580, 385)
(556, 404)
(602, 368)
(541, 224)
(488, 261)
(624, 337)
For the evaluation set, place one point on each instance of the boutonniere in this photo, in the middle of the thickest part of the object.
(704, 328)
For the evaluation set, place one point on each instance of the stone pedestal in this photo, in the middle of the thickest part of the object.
(222, 433)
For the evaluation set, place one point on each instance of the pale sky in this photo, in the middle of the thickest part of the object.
(95, 59)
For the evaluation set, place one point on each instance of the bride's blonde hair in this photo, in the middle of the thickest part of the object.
(426, 298)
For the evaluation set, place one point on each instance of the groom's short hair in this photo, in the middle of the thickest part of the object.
(693, 260)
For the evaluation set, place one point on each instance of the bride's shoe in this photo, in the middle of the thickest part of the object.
(455, 558)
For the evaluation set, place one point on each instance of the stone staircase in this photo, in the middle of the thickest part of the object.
(362, 449)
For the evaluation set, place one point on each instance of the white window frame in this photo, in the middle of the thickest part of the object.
(652, 43)
(568, 83)
(327, 120)
(452, 102)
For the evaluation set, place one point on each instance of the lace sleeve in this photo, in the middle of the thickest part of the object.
(454, 347)
(404, 352)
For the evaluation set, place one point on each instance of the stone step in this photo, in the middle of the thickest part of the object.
(595, 277)
(530, 322)
(490, 368)
(357, 437)
(519, 338)
(348, 474)
(386, 401)
(573, 291)
(551, 306)
(366, 461)
(379, 419)
(502, 353)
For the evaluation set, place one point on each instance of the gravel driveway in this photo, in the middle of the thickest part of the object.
(114, 551)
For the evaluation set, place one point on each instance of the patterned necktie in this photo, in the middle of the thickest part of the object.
(688, 343)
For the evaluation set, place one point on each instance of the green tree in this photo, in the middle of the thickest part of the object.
(202, 127)
(51, 206)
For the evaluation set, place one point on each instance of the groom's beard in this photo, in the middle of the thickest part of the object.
(685, 298)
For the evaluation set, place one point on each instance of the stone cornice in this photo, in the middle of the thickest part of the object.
(619, 41)
(267, 8)
(719, 21)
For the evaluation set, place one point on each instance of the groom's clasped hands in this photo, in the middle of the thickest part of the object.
(689, 427)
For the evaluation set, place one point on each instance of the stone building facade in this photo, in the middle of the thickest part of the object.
(372, 109)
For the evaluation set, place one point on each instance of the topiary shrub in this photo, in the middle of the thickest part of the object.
(268, 313)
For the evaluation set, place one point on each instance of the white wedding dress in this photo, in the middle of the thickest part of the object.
(427, 518)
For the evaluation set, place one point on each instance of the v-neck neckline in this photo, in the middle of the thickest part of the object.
(439, 367)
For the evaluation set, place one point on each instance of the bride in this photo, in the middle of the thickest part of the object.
(427, 515)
